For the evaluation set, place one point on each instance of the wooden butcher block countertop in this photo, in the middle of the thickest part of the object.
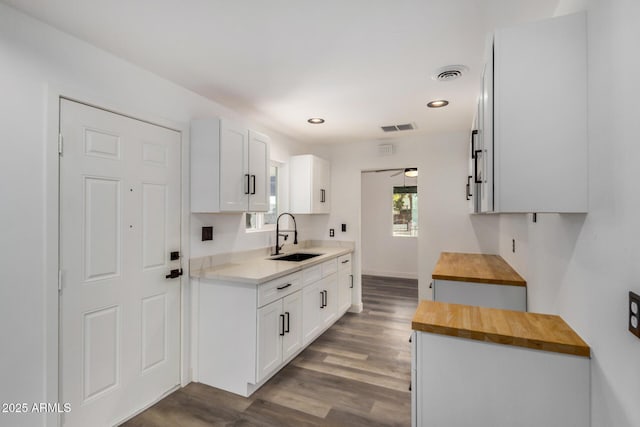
(477, 268)
(530, 330)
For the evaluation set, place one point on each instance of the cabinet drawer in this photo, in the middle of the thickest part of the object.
(278, 288)
(311, 275)
(344, 262)
(329, 267)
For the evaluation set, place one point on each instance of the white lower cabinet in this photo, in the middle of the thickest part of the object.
(458, 382)
(345, 283)
(279, 333)
(320, 303)
(329, 313)
(312, 303)
(247, 332)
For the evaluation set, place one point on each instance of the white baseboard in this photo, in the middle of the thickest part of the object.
(400, 274)
(356, 308)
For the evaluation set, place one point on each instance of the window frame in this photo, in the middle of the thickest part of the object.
(414, 232)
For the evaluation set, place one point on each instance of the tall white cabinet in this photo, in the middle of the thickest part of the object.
(531, 153)
(310, 184)
(229, 167)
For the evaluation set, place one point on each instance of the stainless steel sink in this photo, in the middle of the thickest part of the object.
(295, 257)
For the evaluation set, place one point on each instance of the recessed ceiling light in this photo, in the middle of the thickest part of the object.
(438, 103)
(315, 120)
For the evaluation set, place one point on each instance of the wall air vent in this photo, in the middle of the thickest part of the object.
(448, 73)
(396, 128)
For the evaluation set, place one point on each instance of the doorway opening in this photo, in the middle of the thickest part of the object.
(390, 222)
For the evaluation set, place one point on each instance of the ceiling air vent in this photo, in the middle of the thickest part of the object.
(448, 73)
(395, 128)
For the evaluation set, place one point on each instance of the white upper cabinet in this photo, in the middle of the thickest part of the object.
(229, 167)
(259, 162)
(310, 182)
(234, 167)
(532, 123)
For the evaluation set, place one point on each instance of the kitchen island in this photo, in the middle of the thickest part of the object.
(491, 367)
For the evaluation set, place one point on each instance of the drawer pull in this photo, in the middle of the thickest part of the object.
(345, 261)
(283, 287)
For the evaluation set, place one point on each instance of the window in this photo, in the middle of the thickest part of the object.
(256, 221)
(405, 211)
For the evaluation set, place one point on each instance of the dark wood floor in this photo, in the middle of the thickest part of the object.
(355, 374)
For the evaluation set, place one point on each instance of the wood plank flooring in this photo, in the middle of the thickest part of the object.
(355, 374)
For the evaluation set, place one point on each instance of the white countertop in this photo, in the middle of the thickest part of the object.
(261, 269)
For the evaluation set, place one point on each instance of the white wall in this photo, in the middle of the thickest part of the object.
(35, 61)
(583, 266)
(445, 224)
(382, 253)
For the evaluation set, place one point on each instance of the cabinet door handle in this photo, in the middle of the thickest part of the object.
(253, 180)
(476, 179)
(322, 195)
(287, 328)
(248, 184)
(283, 287)
(321, 299)
(326, 298)
(431, 285)
(351, 281)
(345, 261)
(473, 143)
(469, 187)
(282, 325)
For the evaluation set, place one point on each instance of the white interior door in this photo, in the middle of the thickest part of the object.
(119, 221)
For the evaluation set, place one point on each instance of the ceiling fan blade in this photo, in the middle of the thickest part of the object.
(383, 170)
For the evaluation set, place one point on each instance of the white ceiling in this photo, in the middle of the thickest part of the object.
(359, 64)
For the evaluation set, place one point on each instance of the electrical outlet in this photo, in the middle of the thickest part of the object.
(332, 232)
(207, 233)
(634, 314)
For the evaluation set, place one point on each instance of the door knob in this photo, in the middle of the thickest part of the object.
(173, 274)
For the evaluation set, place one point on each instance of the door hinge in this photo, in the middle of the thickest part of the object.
(59, 280)
(60, 142)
